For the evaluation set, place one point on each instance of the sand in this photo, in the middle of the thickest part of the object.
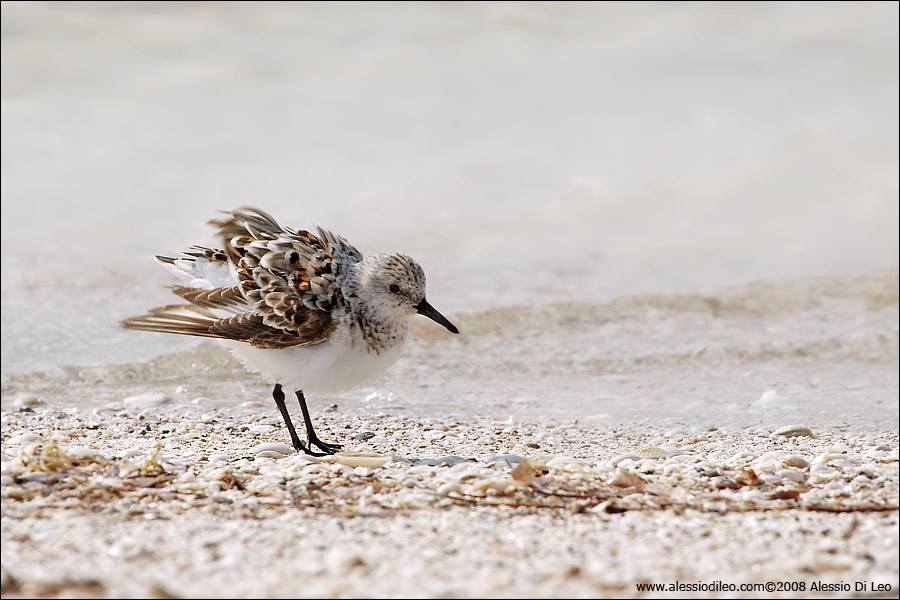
(186, 501)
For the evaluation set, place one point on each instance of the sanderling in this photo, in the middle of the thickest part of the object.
(307, 311)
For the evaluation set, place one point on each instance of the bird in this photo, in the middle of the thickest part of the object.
(305, 310)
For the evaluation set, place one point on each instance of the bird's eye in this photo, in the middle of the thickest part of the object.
(394, 288)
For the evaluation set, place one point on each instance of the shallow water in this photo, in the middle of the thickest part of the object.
(583, 183)
(828, 347)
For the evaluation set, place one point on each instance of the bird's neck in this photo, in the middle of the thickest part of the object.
(377, 327)
(377, 333)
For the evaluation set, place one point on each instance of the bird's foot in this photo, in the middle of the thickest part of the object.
(301, 447)
(325, 447)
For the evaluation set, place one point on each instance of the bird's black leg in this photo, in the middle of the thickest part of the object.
(299, 446)
(311, 438)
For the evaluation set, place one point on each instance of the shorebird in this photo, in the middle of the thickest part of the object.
(307, 311)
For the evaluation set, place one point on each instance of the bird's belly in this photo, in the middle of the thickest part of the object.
(325, 367)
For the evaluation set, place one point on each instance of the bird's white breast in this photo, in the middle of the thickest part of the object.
(332, 365)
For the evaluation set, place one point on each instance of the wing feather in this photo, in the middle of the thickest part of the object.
(285, 284)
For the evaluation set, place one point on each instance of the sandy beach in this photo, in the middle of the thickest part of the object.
(668, 234)
(199, 501)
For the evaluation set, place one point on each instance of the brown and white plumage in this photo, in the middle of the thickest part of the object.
(271, 287)
(306, 310)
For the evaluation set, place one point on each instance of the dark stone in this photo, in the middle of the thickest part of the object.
(511, 459)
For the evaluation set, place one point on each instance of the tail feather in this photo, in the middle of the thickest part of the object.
(182, 319)
(221, 300)
(187, 319)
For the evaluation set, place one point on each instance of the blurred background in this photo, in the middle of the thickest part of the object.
(524, 153)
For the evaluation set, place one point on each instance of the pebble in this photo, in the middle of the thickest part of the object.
(648, 465)
(82, 451)
(824, 459)
(791, 474)
(743, 457)
(365, 435)
(679, 457)
(677, 468)
(487, 485)
(24, 438)
(12, 468)
(449, 461)
(511, 459)
(421, 469)
(770, 479)
(819, 473)
(449, 487)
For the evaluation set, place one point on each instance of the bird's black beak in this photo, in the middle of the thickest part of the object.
(423, 308)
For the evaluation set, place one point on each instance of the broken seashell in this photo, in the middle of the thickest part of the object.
(653, 453)
(794, 431)
(361, 459)
(792, 460)
(625, 479)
